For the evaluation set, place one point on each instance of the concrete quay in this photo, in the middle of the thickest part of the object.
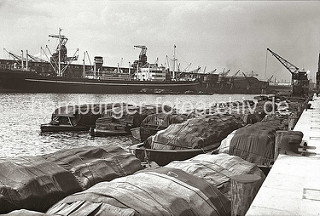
(293, 184)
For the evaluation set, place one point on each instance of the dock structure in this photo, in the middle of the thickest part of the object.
(293, 185)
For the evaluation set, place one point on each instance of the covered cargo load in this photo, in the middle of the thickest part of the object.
(91, 165)
(195, 133)
(159, 121)
(36, 183)
(24, 212)
(76, 117)
(125, 117)
(85, 114)
(33, 183)
(163, 191)
(217, 169)
(254, 143)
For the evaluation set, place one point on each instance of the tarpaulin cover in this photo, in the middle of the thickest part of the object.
(91, 165)
(129, 116)
(36, 183)
(217, 169)
(125, 115)
(85, 114)
(24, 212)
(163, 119)
(33, 183)
(163, 191)
(195, 133)
(254, 143)
(155, 122)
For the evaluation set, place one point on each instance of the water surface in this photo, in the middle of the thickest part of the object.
(22, 114)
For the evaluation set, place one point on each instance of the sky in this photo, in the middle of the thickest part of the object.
(211, 34)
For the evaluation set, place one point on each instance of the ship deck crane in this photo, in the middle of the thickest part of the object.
(187, 67)
(245, 76)
(63, 39)
(269, 80)
(34, 58)
(235, 74)
(14, 56)
(142, 56)
(252, 74)
(225, 73)
(212, 72)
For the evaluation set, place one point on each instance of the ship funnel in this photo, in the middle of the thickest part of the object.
(98, 62)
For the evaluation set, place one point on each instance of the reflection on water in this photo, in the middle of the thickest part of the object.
(22, 114)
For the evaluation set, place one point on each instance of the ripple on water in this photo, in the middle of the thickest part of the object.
(22, 114)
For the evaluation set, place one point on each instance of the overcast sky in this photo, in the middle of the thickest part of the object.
(212, 34)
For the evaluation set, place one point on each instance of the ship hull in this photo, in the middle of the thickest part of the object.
(29, 82)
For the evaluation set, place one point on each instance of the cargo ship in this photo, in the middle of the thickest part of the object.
(58, 74)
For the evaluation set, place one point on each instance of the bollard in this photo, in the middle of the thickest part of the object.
(244, 188)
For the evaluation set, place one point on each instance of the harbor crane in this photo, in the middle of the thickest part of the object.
(288, 65)
(299, 79)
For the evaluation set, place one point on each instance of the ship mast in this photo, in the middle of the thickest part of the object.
(174, 61)
(61, 54)
(59, 70)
